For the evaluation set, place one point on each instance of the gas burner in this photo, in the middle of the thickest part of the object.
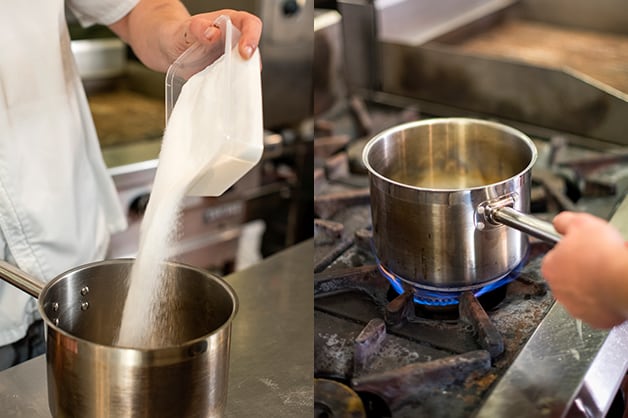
(434, 297)
(334, 399)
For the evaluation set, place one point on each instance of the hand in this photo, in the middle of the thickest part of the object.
(159, 31)
(587, 270)
(200, 28)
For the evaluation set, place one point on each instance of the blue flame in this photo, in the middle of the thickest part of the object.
(447, 298)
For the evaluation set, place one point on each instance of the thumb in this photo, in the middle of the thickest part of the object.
(563, 221)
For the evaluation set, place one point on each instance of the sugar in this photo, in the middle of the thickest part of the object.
(146, 319)
(214, 136)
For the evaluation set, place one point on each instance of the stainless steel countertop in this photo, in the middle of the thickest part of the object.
(272, 349)
(566, 368)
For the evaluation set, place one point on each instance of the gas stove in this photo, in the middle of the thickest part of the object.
(509, 349)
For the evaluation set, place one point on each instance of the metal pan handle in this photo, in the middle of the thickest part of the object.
(527, 223)
(13, 275)
(500, 212)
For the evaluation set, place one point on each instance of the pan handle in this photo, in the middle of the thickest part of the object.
(501, 212)
(12, 275)
(526, 223)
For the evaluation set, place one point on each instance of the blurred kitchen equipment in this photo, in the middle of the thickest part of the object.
(88, 376)
(327, 72)
(516, 60)
(439, 191)
(100, 61)
(129, 120)
(99, 58)
(211, 227)
(286, 49)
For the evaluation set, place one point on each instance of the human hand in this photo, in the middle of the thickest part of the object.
(200, 28)
(587, 270)
(159, 31)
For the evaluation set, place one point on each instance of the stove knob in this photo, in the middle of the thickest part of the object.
(291, 7)
(137, 207)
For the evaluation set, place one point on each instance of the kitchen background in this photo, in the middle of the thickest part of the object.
(266, 211)
(556, 70)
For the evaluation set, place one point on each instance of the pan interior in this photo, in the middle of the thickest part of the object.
(450, 154)
(90, 303)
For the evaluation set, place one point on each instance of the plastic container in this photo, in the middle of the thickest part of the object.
(238, 106)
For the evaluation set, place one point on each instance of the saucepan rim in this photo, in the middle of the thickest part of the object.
(184, 345)
(458, 120)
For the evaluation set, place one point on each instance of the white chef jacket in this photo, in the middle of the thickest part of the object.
(58, 205)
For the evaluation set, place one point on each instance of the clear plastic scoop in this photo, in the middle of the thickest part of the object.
(226, 110)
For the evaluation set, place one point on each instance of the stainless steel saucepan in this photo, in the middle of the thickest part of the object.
(89, 376)
(442, 191)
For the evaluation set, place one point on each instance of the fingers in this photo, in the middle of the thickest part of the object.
(211, 33)
(597, 318)
(250, 26)
(547, 265)
(580, 269)
(563, 220)
(566, 221)
(582, 226)
(605, 321)
(202, 29)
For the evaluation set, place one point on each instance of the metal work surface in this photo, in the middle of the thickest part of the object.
(271, 349)
(416, 22)
(563, 358)
(558, 362)
(488, 60)
(444, 74)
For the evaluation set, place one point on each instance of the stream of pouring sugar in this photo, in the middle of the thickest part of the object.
(147, 316)
(579, 328)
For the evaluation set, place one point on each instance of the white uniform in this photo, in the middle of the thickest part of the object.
(58, 204)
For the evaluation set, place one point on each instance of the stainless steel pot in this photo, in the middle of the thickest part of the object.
(88, 376)
(441, 191)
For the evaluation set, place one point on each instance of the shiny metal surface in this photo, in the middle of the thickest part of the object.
(360, 46)
(426, 180)
(559, 368)
(528, 224)
(441, 73)
(369, 24)
(500, 212)
(327, 73)
(603, 15)
(89, 376)
(551, 97)
(414, 22)
(17, 278)
(566, 368)
(99, 58)
(271, 346)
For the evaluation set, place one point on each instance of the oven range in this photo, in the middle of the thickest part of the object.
(505, 350)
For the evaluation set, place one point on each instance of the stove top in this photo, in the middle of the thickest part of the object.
(378, 349)
(384, 343)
